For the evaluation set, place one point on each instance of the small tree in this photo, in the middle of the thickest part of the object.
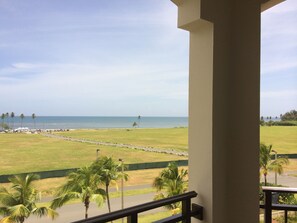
(134, 124)
(268, 164)
(82, 184)
(34, 117)
(22, 116)
(171, 182)
(2, 118)
(18, 203)
(12, 119)
(7, 117)
(139, 118)
(109, 172)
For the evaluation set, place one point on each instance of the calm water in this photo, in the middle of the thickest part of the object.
(71, 122)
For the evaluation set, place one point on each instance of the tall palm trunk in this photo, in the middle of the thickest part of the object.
(22, 219)
(87, 204)
(107, 196)
(265, 179)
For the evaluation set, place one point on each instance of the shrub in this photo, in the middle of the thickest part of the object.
(286, 123)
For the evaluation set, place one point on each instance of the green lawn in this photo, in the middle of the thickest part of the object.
(282, 138)
(26, 153)
(173, 138)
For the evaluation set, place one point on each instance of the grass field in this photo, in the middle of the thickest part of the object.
(282, 138)
(173, 138)
(27, 153)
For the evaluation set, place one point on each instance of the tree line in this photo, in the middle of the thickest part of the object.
(288, 119)
(7, 120)
(289, 116)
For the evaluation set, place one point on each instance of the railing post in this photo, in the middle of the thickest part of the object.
(186, 210)
(132, 212)
(286, 216)
(132, 218)
(268, 212)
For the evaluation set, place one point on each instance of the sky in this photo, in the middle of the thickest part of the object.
(121, 58)
(279, 59)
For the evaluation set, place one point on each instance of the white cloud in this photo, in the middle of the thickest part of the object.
(98, 82)
(26, 66)
(278, 65)
(279, 39)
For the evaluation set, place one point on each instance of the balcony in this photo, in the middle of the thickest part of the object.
(268, 206)
(188, 210)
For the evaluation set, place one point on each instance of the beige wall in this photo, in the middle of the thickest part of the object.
(224, 106)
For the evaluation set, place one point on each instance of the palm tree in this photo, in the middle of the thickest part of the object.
(268, 164)
(19, 202)
(12, 119)
(109, 172)
(139, 117)
(3, 117)
(82, 184)
(22, 116)
(34, 117)
(7, 116)
(171, 182)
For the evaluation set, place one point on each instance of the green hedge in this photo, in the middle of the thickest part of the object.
(133, 166)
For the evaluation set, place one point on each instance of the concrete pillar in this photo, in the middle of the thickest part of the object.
(224, 106)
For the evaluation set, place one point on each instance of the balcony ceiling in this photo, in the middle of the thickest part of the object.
(266, 4)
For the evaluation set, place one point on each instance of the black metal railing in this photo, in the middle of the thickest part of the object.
(188, 210)
(269, 205)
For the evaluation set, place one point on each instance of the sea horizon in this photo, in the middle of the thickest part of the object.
(97, 122)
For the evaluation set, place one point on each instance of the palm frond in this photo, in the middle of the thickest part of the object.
(3, 211)
(18, 211)
(7, 219)
(99, 199)
(8, 199)
(171, 182)
(45, 211)
(63, 199)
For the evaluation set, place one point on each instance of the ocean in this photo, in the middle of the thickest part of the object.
(92, 122)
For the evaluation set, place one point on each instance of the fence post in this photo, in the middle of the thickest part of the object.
(268, 212)
(186, 210)
(133, 218)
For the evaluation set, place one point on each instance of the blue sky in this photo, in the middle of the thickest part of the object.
(121, 57)
(279, 59)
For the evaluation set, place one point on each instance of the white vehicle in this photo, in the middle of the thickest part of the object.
(21, 129)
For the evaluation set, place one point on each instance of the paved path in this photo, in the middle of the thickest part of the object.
(74, 212)
(285, 179)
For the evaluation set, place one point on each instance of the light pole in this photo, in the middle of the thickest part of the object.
(275, 158)
(97, 153)
(122, 185)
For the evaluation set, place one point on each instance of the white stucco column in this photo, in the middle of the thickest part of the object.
(224, 94)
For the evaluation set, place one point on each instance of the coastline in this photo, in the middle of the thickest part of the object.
(96, 122)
